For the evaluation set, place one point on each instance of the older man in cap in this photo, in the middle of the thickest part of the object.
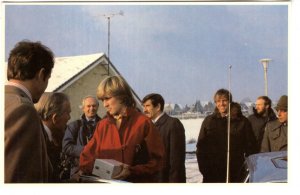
(275, 137)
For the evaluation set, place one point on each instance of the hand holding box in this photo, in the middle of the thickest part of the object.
(107, 168)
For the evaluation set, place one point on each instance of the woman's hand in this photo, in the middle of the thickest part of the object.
(125, 172)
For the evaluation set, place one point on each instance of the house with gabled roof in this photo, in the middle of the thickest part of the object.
(79, 76)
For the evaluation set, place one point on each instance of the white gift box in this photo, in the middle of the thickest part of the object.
(106, 168)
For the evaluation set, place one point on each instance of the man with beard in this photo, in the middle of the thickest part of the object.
(54, 110)
(78, 133)
(262, 114)
(276, 133)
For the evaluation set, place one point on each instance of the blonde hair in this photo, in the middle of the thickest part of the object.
(116, 86)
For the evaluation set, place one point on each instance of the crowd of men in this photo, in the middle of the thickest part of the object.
(41, 146)
(261, 132)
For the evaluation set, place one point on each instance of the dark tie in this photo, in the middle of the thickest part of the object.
(91, 123)
(90, 128)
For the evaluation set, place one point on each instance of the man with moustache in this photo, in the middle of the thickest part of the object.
(79, 132)
(262, 114)
(173, 135)
(276, 133)
(28, 71)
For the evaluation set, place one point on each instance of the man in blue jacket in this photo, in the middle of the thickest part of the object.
(79, 132)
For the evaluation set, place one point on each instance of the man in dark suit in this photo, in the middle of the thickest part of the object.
(28, 71)
(54, 110)
(173, 136)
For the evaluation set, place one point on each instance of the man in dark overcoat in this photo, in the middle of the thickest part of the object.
(213, 138)
(262, 114)
(54, 109)
(173, 136)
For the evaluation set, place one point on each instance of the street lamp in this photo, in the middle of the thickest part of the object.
(108, 17)
(265, 63)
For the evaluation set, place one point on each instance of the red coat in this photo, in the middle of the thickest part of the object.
(125, 144)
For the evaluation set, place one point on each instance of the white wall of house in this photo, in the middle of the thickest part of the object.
(85, 85)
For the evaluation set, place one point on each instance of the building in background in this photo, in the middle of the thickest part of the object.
(78, 76)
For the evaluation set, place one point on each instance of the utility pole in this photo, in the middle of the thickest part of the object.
(108, 17)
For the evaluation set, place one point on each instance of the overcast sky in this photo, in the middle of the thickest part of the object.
(181, 51)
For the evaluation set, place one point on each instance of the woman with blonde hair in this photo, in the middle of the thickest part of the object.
(125, 135)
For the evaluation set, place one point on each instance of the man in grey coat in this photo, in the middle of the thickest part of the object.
(276, 133)
(28, 71)
(173, 135)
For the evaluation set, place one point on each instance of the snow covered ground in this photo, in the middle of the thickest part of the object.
(192, 128)
(193, 174)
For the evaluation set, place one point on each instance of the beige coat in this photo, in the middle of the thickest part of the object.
(26, 159)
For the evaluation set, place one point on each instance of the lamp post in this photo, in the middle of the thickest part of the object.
(108, 17)
(265, 63)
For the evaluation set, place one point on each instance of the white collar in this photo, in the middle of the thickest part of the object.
(158, 117)
(90, 119)
(48, 131)
(22, 87)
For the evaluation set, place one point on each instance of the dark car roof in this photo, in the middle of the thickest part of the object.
(268, 167)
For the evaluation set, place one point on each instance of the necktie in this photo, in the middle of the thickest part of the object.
(90, 129)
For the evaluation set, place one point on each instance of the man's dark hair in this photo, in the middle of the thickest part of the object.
(225, 93)
(267, 100)
(155, 99)
(27, 58)
(235, 110)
